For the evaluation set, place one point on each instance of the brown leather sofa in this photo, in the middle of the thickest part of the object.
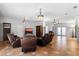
(51, 33)
(45, 40)
(14, 40)
(28, 43)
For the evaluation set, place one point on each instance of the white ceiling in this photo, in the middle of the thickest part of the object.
(31, 10)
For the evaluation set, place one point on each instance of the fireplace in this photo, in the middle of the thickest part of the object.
(28, 30)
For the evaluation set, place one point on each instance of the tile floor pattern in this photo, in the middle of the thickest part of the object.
(71, 49)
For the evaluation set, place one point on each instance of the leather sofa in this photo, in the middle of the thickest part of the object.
(14, 40)
(45, 40)
(28, 43)
(51, 33)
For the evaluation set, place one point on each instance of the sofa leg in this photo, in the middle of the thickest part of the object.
(34, 49)
(27, 50)
(16, 46)
(23, 50)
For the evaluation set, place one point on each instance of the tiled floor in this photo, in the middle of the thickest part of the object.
(57, 47)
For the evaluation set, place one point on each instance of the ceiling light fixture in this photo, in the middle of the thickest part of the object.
(40, 16)
(54, 22)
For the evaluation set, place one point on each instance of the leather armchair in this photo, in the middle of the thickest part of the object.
(28, 43)
(51, 33)
(14, 40)
(45, 40)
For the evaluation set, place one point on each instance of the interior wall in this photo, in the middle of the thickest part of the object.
(69, 26)
(17, 26)
(32, 24)
(77, 30)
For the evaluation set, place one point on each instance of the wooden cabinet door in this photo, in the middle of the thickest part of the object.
(39, 31)
(6, 30)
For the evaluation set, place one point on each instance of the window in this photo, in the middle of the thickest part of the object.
(61, 31)
(61, 38)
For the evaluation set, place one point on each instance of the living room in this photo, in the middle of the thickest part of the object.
(39, 20)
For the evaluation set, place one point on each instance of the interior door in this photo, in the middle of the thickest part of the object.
(39, 31)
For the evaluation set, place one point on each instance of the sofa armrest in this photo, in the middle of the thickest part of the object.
(16, 43)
